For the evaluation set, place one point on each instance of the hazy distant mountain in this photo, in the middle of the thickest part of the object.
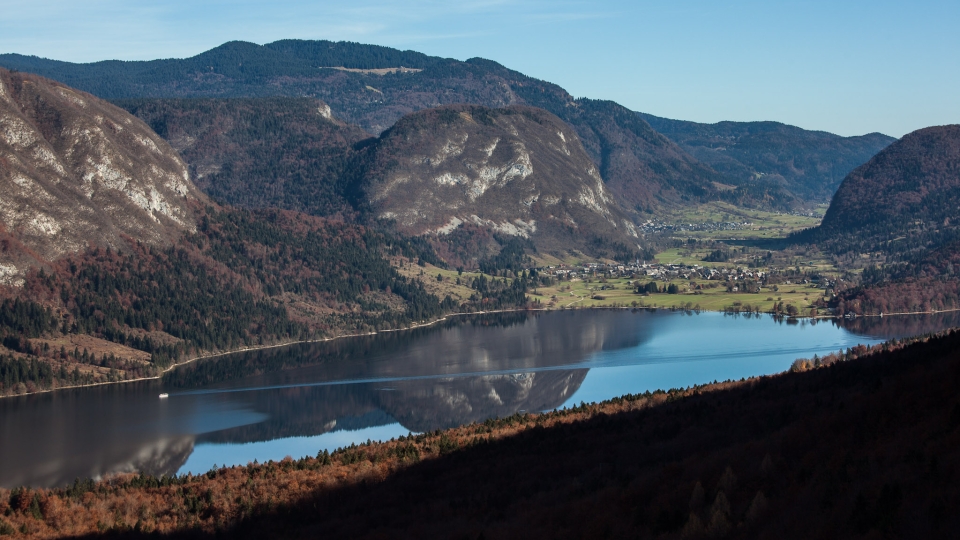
(907, 198)
(75, 171)
(286, 153)
(518, 170)
(774, 158)
(641, 166)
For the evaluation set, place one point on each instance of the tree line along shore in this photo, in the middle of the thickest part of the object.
(858, 444)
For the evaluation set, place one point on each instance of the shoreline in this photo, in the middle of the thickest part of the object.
(431, 323)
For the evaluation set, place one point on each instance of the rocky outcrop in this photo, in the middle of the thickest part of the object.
(75, 171)
(518, 171)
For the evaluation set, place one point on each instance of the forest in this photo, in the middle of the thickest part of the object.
(245, 278)
(791, 164)
(262, 153)
(862, 443)
(240, 60)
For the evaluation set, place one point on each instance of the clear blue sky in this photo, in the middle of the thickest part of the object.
(849, 67)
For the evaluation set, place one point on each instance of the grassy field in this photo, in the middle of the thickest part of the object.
(619, 292)
(577, 293)
(766, 225)
(428, 273)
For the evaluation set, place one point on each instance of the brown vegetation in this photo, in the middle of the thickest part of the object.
(862, 447)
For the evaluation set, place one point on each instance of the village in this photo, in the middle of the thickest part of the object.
(738, 278)
(728, 288)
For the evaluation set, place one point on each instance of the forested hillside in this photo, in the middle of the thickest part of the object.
(904, 200)
(782, 164)
(902, 209)
(232, 69)
(286, 153)
(244, 278)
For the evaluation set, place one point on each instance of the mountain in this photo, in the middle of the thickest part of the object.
(769, 157)
(897, 216)
(75, 171)
(365, 85)
(115, 265)
(288, 153)
(518, 171)
(904, 201)
(504, 171)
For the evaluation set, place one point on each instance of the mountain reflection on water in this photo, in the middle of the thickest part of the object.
(466, 369)
(463, 370)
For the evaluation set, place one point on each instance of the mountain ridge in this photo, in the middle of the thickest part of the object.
(645, 169)
(640, 165)
(788, 160)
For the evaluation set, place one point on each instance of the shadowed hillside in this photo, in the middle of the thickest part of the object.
(865, 447)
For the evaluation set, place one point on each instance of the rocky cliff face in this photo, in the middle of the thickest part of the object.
(75, 171)
(518, 171)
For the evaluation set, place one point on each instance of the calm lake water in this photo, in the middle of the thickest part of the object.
(301, 399)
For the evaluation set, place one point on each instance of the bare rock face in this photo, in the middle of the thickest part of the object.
(518, 170)
(75, 171)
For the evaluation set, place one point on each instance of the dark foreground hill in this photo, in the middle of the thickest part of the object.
(866, 447)
(770, 159)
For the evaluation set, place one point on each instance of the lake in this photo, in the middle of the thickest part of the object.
(300, 399)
